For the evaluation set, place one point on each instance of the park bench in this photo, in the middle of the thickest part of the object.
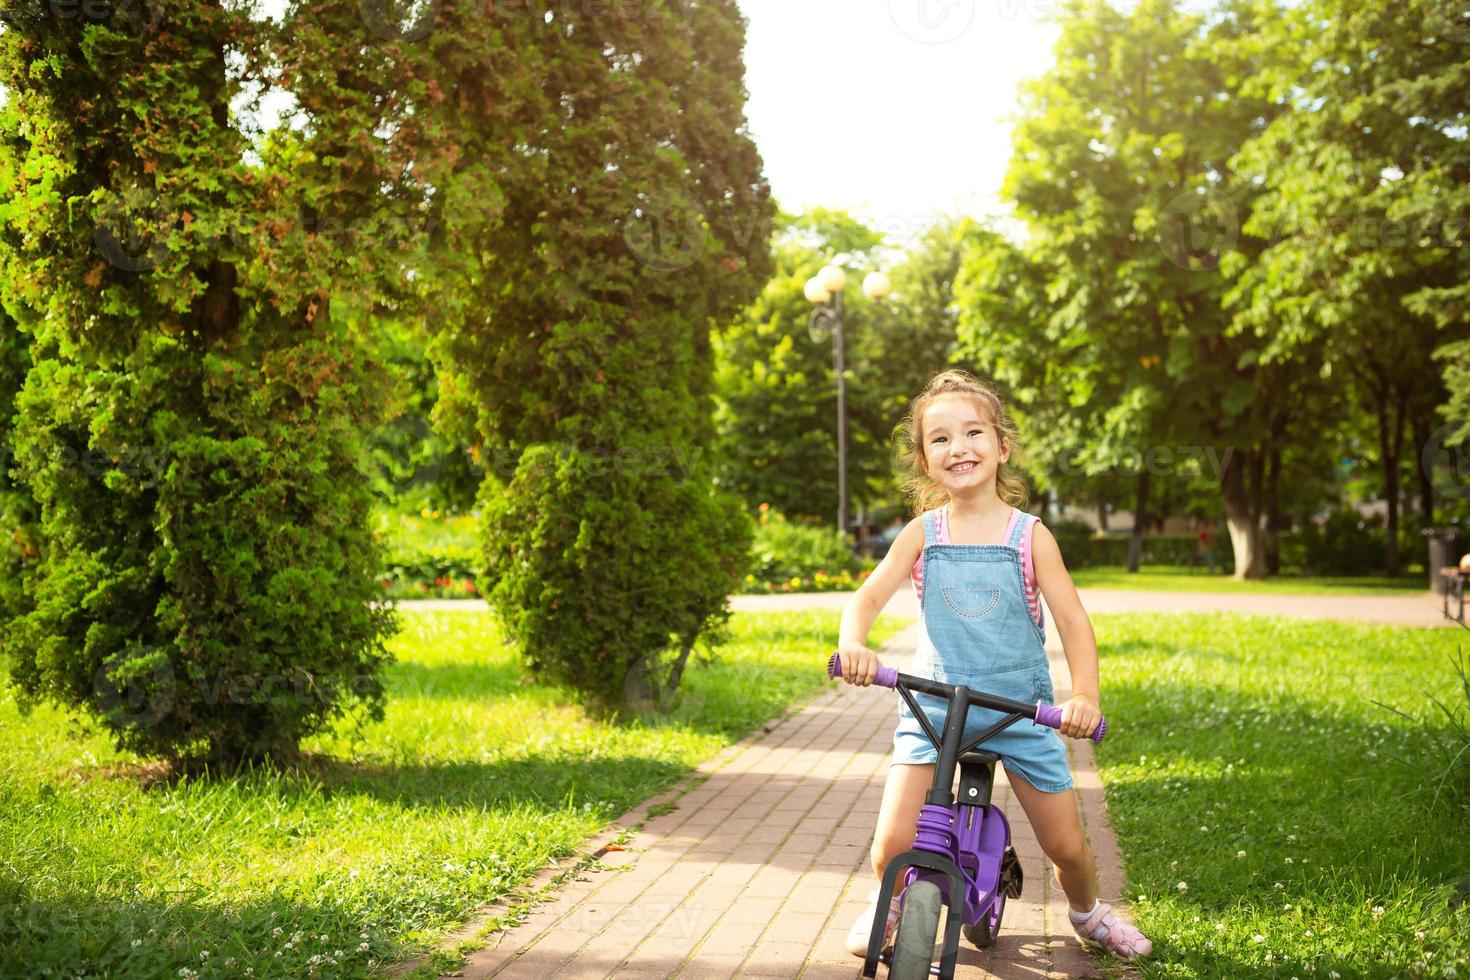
(1454, 593)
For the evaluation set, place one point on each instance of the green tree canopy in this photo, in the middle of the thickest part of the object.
(1362, 208)
(776, 392)
(1110, 327)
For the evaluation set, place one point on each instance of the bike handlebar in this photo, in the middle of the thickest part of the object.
(1040, 713)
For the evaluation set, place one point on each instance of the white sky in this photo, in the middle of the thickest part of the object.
(892, 109)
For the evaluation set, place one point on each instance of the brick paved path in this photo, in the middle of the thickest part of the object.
(763, 866)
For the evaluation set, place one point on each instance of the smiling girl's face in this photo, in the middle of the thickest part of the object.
(962, 447)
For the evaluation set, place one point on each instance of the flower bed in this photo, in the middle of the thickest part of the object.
(428, 555)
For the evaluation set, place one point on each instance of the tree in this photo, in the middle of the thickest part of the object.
(1361, 180)
(775, 388)
(597, 207)
(413, 466)
(1121, 175)
(914, 335)
(775, 382)
(18, 551)
(191, 429)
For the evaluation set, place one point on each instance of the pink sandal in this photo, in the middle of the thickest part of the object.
(1106, 931)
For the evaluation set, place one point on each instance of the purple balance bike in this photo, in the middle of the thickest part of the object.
(962, 855)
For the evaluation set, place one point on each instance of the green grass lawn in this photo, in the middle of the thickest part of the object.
(1182, 578)
(384, 840)
(1274, 820)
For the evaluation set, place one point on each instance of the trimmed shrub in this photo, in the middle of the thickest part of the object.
(1081, 548)
(784, 551)
(1345, 543)
(211, 597)
(1078, 545)
(18, 545)
(609, 581)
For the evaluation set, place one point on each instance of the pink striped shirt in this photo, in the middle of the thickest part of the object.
(941, 536)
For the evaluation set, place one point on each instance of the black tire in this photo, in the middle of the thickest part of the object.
(980, 934)
(1011, 876)
(918, 927)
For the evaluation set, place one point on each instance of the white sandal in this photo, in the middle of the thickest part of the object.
(857, 936)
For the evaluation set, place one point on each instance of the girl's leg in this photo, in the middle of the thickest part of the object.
(903, 798)
(898, 814)
(1058, 830)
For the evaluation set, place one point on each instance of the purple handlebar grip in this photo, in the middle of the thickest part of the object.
(887, 676)
(1051, 716)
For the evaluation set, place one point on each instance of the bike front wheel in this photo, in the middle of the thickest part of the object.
(918, 927)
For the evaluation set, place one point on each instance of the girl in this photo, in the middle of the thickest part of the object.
(976, 563)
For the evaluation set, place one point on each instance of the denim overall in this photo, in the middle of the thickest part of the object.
(977, 631)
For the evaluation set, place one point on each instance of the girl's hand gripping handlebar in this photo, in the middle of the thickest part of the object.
(1044, 714)
(1051, 716)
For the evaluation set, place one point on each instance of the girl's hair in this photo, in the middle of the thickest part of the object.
(919, 486)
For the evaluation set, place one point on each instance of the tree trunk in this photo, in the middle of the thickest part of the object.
(1273, 511)
(1421, 430)
(676, 676)
(1140, 520)
(1102, 515)
(1390, 447)
(1240, 520)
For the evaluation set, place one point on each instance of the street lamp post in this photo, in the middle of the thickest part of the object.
(824, 290)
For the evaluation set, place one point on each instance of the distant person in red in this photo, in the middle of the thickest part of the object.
(1204, 551)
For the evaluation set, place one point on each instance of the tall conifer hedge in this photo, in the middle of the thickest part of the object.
(191, 434)
(18, 551)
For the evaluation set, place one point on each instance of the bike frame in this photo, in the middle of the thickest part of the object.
(946, 832)
(951, 831)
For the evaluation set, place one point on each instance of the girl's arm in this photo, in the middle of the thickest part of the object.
(1082, 712)
(859, 664)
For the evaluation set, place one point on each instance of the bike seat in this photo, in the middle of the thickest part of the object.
(978, 757)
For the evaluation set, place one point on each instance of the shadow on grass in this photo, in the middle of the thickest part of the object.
(457, 680)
